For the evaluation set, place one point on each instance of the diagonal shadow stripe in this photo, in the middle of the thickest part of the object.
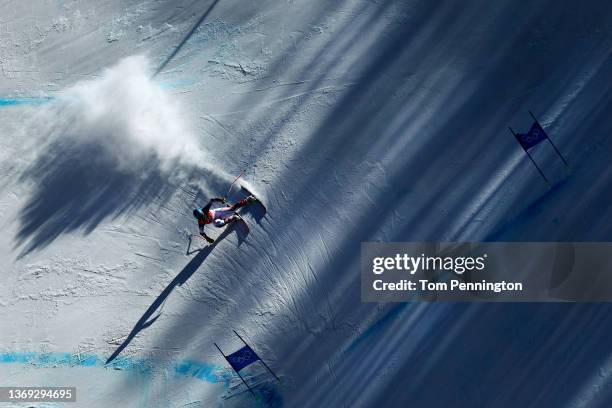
(187, 37)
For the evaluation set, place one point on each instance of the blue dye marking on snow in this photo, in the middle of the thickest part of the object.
(194, 369)
(89, 361)
(175, 83)
(201, 371)
(25, 101)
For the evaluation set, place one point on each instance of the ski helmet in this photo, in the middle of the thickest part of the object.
(198, 213)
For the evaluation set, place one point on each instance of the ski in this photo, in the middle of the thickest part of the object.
(249, 193)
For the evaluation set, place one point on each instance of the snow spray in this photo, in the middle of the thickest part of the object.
(133, 123)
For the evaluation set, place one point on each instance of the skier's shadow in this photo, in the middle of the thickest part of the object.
(188, 252)
(255, 211)
(241, 233)
(148, 317)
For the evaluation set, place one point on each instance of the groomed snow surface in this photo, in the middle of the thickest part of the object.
(355, 121)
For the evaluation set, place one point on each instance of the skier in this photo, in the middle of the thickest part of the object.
(219, 216)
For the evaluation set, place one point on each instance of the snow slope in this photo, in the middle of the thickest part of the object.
(356, 121)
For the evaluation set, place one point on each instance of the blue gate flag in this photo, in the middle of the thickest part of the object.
(242, 358)
(535, 135)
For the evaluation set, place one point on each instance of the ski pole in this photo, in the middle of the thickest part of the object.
(232, 185)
